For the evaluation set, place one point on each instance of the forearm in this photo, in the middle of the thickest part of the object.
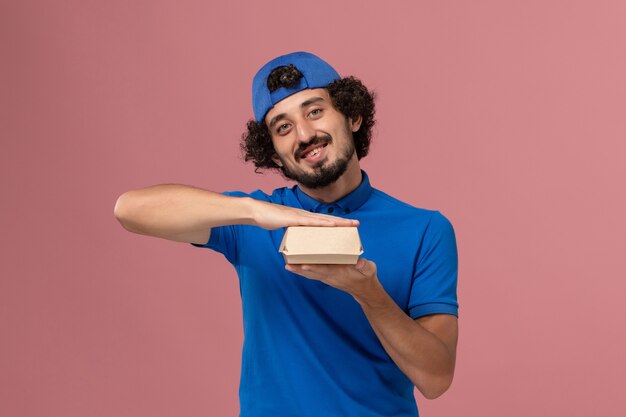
(425, 350)
(420, 354)
(170, 209)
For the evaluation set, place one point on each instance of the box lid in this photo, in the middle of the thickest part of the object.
(306, 240)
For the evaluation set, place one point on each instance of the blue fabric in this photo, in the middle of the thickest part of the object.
(316, 72)
(308, 348)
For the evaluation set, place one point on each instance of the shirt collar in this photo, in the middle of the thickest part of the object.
(345, 205)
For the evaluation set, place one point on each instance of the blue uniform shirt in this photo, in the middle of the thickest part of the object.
(308, 348)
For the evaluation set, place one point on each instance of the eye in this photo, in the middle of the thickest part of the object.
(283, 128)
(315, 112)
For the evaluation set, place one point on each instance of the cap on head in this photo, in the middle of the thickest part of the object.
(316, 74)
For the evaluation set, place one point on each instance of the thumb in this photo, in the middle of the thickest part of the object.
(365, 267)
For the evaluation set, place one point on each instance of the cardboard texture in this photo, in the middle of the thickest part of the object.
(321, 245)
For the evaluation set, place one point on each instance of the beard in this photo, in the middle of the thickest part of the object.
(323, 174)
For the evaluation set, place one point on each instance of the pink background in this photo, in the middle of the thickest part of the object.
(509, 117)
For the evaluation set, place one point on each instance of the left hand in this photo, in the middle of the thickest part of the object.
(354, 279)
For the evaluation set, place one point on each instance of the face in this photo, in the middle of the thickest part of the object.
(313, 141)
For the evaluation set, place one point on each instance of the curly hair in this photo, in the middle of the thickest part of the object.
(349, 96)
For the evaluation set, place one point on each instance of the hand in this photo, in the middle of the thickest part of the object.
(274, 216)
(358, 280)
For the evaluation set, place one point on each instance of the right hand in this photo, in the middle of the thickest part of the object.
(274, 216)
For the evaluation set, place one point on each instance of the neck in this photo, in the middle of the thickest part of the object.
(347, 183)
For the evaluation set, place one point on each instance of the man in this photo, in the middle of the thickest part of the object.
(321, 340)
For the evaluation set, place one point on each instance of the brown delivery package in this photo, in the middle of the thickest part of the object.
(321, 245)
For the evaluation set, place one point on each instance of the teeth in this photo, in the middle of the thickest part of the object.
(314, 152)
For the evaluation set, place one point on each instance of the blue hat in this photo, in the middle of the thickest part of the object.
(316, 74)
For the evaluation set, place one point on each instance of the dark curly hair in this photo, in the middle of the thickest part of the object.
(349, 96)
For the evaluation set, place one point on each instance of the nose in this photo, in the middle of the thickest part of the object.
(305, 131)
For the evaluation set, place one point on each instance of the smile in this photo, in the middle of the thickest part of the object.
(314, 151)
(314, 154)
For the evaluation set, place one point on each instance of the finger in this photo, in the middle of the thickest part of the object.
(365, 267)
(348, 222)
(360, 264)
(344, 223)
(323, 269)
(323, 220)
(337, 221)
(305, 270)
(320, 215)
(312, 221)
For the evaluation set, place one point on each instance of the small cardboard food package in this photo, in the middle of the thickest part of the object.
(321, 245)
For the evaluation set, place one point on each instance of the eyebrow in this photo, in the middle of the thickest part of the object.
(304, 104)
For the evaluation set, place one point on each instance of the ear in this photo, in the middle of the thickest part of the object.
(356, 123)
(277, 160)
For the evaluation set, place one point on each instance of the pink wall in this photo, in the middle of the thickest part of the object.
(509, 117)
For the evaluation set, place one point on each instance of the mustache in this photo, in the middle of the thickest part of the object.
(324, 139)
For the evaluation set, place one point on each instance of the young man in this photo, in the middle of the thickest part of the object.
(321, 340)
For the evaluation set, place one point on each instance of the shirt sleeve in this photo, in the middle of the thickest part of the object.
(223, 239)
(434, 288)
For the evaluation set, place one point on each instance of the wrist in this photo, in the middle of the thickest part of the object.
(248, 210)
(371, 295)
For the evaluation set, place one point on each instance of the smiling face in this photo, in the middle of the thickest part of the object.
(313, 141)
